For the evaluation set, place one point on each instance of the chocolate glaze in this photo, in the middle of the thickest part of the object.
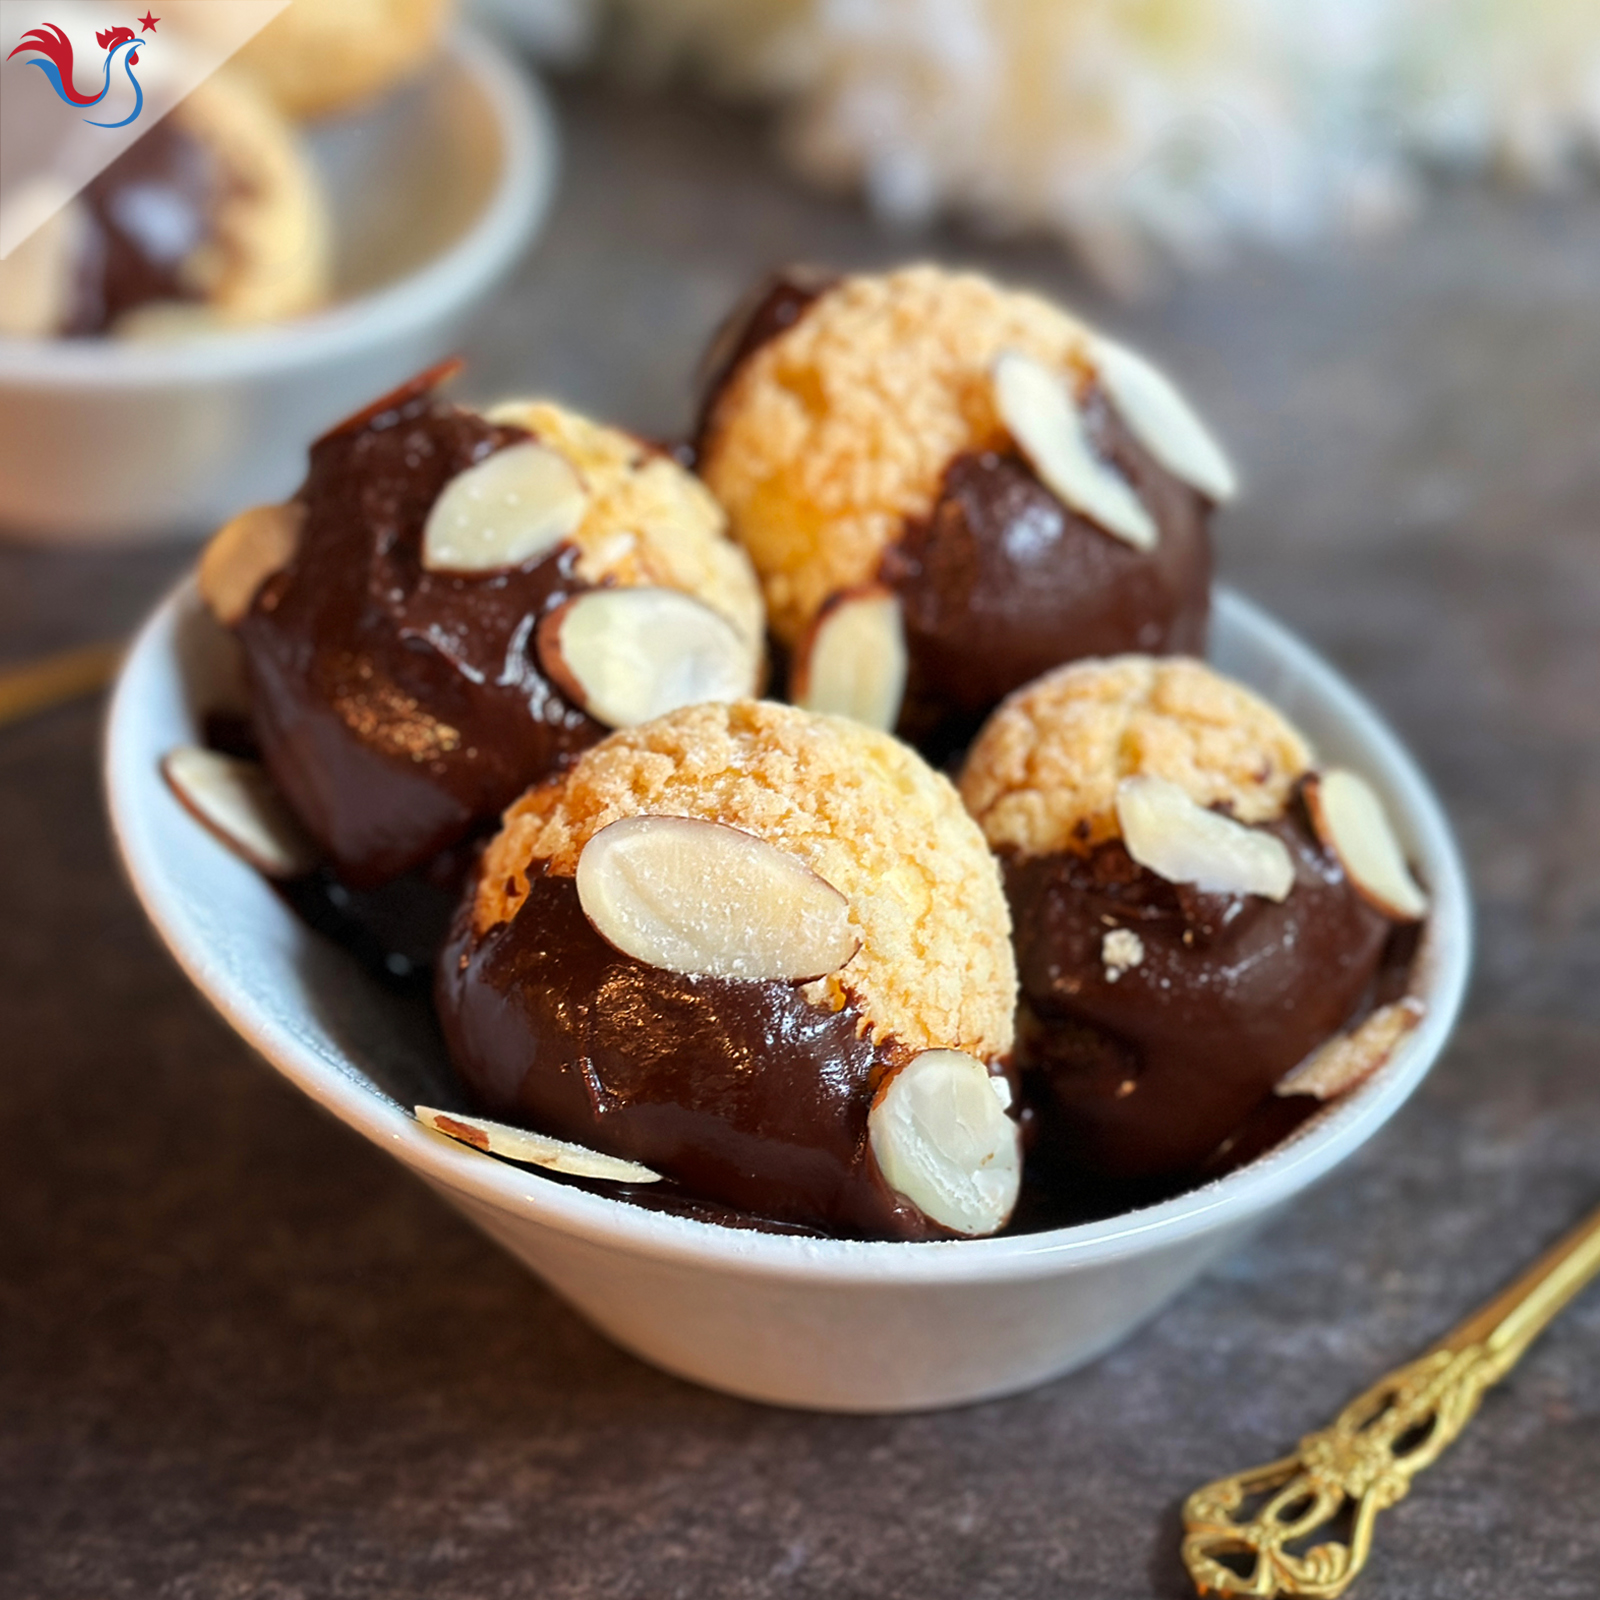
(396, 930)
(398, 708)
(147, 214)
(744, 1092)
(1146, 1076)
(771, 308)
(230, 733)
(1270, 1121)
(1001, 582)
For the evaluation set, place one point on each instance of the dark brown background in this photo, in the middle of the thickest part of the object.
(243, 1354)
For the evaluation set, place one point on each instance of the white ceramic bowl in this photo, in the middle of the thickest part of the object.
(435, 193)
(832, 1324)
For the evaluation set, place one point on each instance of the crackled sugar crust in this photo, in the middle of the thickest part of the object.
(860, 809)
(836, 431)
(649, 522)
(1041, 776)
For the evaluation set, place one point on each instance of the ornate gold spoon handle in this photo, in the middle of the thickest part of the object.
(1303, 1525)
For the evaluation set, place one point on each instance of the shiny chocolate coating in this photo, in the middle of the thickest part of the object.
(743, 1092)
(394, 931)
(397, 708)
(1001, 582)
(146, 215)
(1147, 1074)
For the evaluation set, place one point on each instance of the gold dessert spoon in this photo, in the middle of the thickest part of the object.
(53, 680)
(1302, 1525)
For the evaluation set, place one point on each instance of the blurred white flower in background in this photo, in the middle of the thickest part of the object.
(1137, 129)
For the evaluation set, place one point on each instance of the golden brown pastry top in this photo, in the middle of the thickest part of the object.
(859, 808)
(1041, 776)
(834, 432)
(649, 521)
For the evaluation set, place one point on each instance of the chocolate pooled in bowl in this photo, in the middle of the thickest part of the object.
(1193, 920)
(455, 604)
(949, 488)
(763, 953)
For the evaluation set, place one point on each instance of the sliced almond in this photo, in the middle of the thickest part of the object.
(627, 655)
(853, 662)
(243, 553)
(701, 897)
(236, 801)
(1163, 421)
(941, 1137)
(1337, 1066)
(1183, 842)
(512, 506)
(1041, 414)
(1350, 820)
(533, 1149)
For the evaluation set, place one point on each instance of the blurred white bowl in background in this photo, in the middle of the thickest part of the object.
(834, 1324)
(435, 193)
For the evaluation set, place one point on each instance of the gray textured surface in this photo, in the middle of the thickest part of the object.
(242, 1354)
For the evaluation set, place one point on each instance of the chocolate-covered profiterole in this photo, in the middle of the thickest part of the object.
(212, 216)
(454, 604)
(866, 443)
(145, 215)
(762, 952)
(1185, 936)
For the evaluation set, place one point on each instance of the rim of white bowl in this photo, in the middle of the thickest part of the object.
(131, 776)
(515, 208)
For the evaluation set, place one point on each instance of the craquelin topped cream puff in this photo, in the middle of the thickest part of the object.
(764, 953)
(949, 487)
(456, 603)
(1198, 909)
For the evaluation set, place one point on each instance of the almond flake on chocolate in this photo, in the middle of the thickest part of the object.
(1183, 842)
(514, 505)
(941, 1137)
(693, 896)
(1039, 410)
(1350, 820)
(853, 662)
(1340, 1063)
(1164, 422)
(237, 803)
(243, 553)
(533, 1149)
(627, 655)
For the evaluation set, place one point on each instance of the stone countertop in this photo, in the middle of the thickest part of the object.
(242, 1354)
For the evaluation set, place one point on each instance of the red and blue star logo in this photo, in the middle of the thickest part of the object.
(50, 50)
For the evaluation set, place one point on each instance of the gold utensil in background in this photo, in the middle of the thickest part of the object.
(52, 680)
(1302, 1525)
